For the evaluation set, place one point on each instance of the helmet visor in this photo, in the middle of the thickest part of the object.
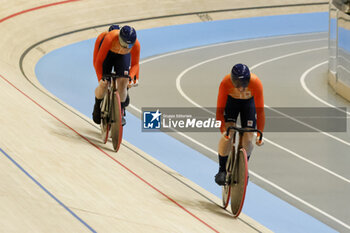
(124, 44)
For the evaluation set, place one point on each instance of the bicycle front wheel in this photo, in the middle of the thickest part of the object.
(239, 183)
(116, 126)
(226, 189)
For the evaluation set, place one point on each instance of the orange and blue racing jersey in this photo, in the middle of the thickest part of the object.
(109, 41)
(98, 42)
(254, 89)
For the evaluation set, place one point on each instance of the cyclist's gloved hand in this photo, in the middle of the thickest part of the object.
(103, 83)
(133, 82)
(258, 142)
(225, 136)
(223, 133)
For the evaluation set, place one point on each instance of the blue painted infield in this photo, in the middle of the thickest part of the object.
(68, 73)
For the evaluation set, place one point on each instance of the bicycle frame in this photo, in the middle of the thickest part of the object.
(112, 114)
(241, 131)
(112, 87)
(235, 152)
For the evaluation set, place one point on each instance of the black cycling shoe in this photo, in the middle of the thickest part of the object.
(123, 117)
(96, 114)
(127, 100)
(123, 121)
(220, 178)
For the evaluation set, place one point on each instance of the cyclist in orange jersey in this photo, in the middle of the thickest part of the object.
(117, 50)
(240, 93)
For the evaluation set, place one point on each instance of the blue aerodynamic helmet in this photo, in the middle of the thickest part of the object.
(113, 27)
(127, 36)
(240, 75)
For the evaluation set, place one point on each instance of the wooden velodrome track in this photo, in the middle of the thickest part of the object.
(56, 176)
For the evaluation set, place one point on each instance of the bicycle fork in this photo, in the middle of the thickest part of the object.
(232, 171)
(104, 107)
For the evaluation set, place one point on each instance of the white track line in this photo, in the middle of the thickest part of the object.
(275, 144)
(180, 133)
(302, 81)
(262, 179)
(344, 68)
(303, 84)
(231, 42)
(178, 86)
(178, 81)
(304, 202)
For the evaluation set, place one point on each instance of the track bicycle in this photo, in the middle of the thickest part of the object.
(236, 172)
(111, 112)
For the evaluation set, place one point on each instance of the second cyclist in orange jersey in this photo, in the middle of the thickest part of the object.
(109, 42)
(116, 51)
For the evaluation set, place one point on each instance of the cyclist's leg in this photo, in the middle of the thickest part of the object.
(101, 90)
(223, 151)
(231, 113)
(122, 66)
(127, 100)
(248, 120)
(122, 84)
(247, 143)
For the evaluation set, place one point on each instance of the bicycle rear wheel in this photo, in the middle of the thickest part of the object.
(116, 126)
(105, 127)
(239, 183)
